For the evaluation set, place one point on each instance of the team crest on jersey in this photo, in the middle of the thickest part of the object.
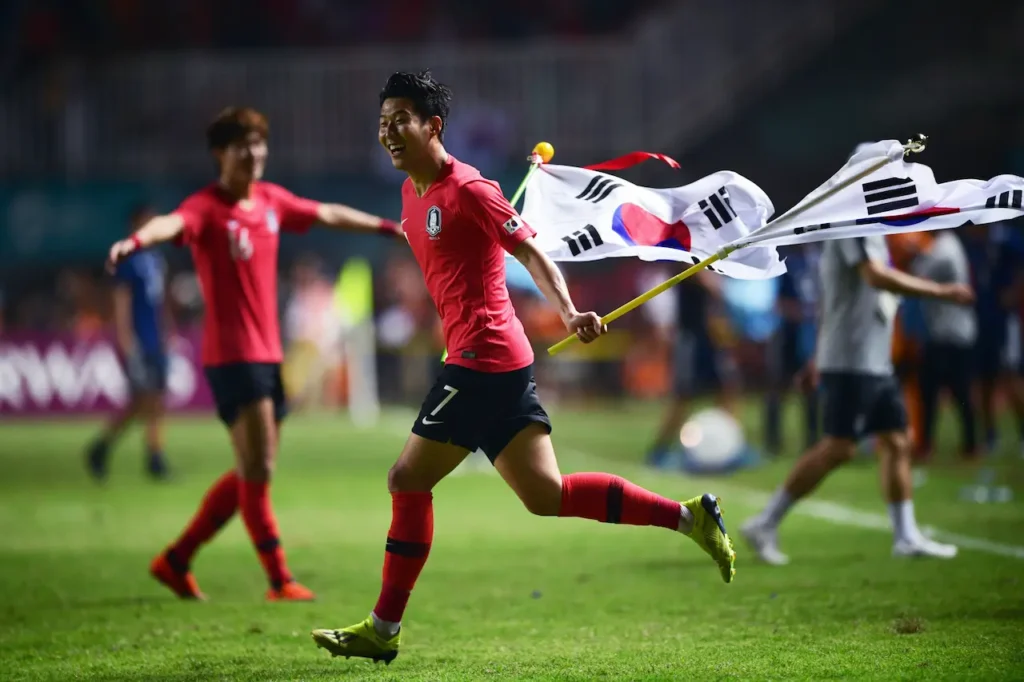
(272, 223)
(433, 222)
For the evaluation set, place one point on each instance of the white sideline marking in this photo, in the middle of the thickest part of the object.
(842, 515)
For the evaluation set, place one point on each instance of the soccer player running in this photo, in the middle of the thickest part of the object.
(232, 228)
(860, 395)
(459, 227)
(141, 333)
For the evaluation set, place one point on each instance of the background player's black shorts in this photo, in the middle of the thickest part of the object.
(483, 410)
(856, 405)
(238, 384)
(699, 367)
(147, 373)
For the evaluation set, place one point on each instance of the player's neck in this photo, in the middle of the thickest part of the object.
(424, 176)
(239, 191)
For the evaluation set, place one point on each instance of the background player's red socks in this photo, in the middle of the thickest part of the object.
(262, 526)
(218, 506)
(412, 529)
(612, 499)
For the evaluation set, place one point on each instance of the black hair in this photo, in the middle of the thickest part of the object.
(234, 124)
(429, 98)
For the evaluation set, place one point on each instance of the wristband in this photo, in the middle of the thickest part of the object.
(136, 242)
(390, 226)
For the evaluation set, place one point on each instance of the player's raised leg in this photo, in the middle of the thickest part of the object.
(98, 452)
(422, 464)
(529, 466)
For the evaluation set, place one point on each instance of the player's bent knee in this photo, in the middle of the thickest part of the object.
(838, 451)
(403, 478)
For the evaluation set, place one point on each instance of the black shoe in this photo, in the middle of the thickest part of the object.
(156, 466)
(96, 460)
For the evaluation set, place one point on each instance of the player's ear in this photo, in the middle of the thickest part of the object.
(436, 125)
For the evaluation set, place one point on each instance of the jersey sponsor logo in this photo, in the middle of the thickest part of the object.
(433, 222)
(512, 225)
(272, 223)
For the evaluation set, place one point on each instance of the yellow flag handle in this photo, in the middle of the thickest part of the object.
(642, 298)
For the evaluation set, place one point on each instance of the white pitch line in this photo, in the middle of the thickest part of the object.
(843, 515)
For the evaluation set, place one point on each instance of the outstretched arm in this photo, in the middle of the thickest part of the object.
(882, 276)
(347, 218)
(156, 230)
(586, 326)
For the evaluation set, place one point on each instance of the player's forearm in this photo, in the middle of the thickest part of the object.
(547, 277)
(348, 218)
(158, 230)
(898, 282)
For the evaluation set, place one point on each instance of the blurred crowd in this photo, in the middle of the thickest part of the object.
(759, 334)
(39, 30)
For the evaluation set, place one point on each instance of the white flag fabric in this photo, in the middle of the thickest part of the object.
(584, 215)
(897, 197)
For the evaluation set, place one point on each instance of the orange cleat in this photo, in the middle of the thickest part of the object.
(291, 591)
(182, 584)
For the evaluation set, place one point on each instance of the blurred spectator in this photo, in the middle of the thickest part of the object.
(994, 260)
(792, 345)
(951, 335)
(312, 329)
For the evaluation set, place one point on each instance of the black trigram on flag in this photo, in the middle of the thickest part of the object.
(1008, 199)
(599, 189)
(718, 209)
(583, 240)
(891, 194)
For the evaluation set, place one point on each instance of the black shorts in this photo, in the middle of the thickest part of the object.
(147, 373)
(239, 384)
(856, 405)
(482, 410)
(988, 355)
(699, 367)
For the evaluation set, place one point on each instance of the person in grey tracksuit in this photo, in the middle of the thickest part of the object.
(952, 330)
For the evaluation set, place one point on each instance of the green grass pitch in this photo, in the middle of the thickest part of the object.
(505, 596)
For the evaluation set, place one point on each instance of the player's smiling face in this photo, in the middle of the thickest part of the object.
(245, 159)
(403, 133)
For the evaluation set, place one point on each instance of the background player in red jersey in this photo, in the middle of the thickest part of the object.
(459, 227)
(232, 228)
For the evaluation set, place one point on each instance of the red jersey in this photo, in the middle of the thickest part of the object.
(234, 250)
(459, 231)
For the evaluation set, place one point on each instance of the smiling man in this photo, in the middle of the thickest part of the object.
(459, 226)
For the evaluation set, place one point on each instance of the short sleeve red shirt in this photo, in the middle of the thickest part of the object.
(459, 231)
(234, 249)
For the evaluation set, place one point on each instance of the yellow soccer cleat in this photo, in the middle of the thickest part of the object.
(709, 533)
(359, 640)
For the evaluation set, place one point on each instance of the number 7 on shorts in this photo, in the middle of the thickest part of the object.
(447, 399)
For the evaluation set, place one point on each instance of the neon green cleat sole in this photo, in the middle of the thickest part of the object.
(360, 641)
(710, 535)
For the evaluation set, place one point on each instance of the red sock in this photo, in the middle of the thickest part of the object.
(262, 526)
(405, 554)
(218, 506)
(611, 499)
